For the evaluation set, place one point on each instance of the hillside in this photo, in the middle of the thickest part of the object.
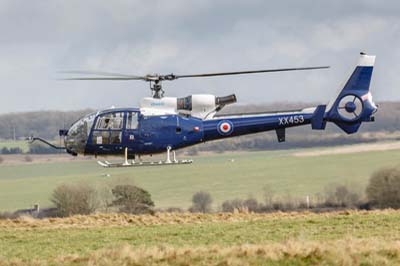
(227, 176)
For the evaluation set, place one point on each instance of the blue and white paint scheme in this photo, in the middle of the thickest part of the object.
(172, 123)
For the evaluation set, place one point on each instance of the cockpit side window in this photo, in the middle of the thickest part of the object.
(132, 120)
(110, 121)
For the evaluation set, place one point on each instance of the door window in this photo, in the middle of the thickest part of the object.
(132, 120)
(108, 129)
(110, 121)
(101, 137)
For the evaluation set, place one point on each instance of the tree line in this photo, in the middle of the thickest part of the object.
(39, 123)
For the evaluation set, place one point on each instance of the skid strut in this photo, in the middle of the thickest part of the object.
(168, 155)
(132, 163)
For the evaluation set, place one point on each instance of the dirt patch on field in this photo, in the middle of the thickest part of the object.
(382, 146)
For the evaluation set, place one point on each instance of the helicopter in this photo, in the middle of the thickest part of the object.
(166, 124)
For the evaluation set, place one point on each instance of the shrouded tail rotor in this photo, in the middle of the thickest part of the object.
(350, 107)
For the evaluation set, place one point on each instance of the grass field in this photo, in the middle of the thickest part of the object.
(23, 145)
(23, 184)
(340, 238)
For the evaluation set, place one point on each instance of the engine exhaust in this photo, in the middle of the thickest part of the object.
(225, 100)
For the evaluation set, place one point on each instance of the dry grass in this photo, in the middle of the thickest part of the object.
(341, 252)
(121, 219)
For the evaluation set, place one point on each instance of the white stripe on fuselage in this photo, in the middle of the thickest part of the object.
(303, 111)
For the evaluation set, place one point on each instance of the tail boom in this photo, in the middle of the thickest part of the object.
(231, 126)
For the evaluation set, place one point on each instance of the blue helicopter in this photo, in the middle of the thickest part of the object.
(165, 124)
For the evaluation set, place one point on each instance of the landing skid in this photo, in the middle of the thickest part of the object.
(106, 164)
(132, 163)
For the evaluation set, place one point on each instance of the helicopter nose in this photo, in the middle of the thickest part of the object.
(76, 138)
(75, 144)
(72, 145)
(68, 142)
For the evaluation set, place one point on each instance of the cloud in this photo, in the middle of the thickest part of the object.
(41, 37)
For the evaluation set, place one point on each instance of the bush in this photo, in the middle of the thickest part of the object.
(4, 150)
(74, 199)
(268, 196)
(341, 196)
(249, 204)
(174, 210)
(132, 199)
(252, 204)
(15, 150)
(232, 205)
(201, 202)
(7, 215)
(383, 190)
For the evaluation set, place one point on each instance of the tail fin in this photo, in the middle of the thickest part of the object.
(354, 104)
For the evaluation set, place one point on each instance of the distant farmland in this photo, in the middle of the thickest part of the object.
(23, 145)
(339, 238)
(225, 176)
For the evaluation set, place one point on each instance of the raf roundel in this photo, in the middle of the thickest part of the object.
(225, 128)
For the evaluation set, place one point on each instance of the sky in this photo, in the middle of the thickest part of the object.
(41, 38)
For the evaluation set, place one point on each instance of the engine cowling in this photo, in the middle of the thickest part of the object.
(203, 105)
(198, 105)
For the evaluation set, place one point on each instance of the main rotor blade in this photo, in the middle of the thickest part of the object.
(106, 78)
(248, 72)
(109, 75)
(157, 78)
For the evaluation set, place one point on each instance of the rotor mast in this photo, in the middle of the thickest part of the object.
(156, 89)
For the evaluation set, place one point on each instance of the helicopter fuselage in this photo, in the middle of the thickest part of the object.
(112, 131)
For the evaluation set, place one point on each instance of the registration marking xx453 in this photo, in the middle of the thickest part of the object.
(291, 120)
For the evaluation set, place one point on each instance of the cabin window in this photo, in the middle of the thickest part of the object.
(106, 137)
(83, 126)
(132, 120)
(110, 121)
(101, 137)
(115, 137)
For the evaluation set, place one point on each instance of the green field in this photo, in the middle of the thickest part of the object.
(25, 184)
(343, 238)
(23, 145)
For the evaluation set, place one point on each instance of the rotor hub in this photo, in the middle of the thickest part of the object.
(350, 107)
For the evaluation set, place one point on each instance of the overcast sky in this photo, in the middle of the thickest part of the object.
(39, 38)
